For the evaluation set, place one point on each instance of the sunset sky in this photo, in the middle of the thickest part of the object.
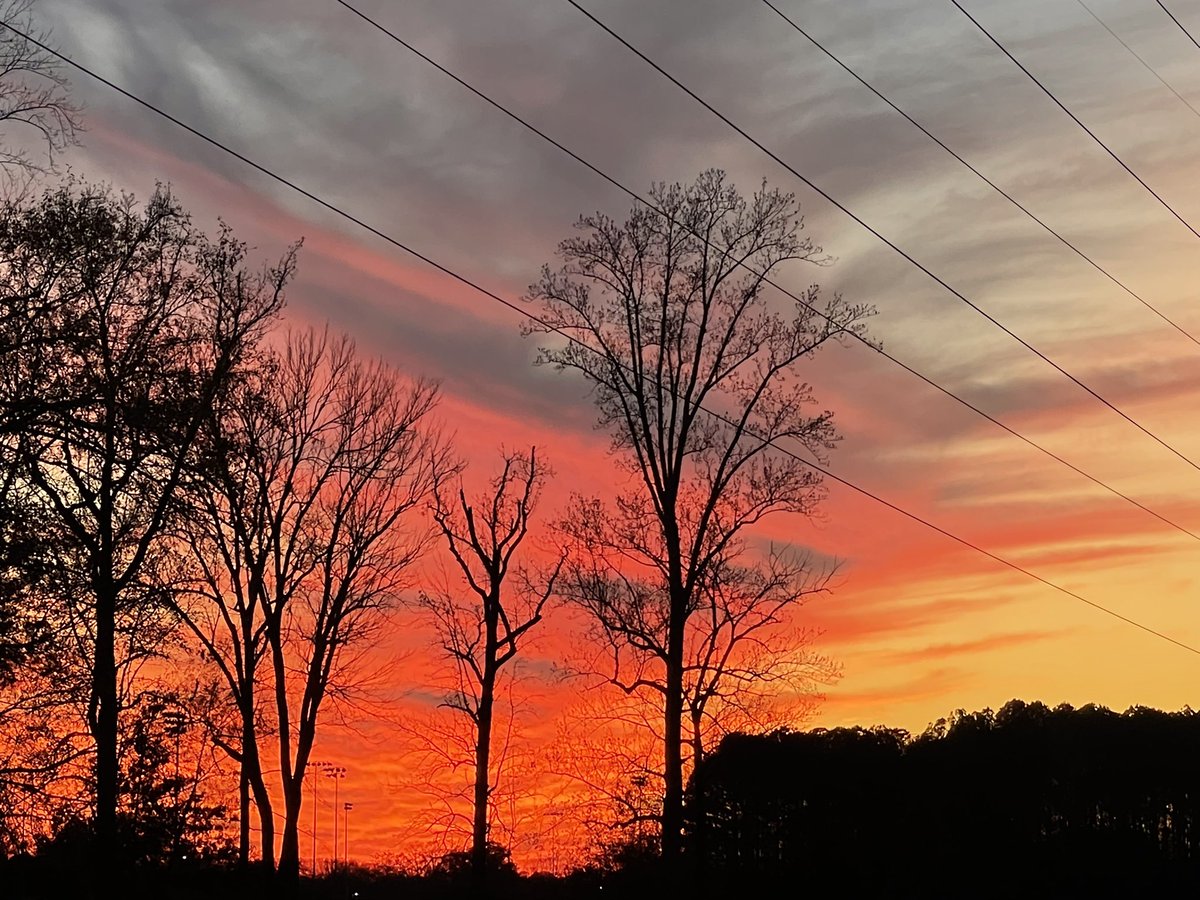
(921, 625)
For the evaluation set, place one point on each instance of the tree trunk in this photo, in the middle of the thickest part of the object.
(289, 849)
(266, 821)
(672, 810)
(483, 751)
(697, 849)
(249, 746)
(104, 727)
(293, 800)
(252, 772)
(243, 815)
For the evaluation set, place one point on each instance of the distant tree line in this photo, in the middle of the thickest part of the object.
(1030, 798)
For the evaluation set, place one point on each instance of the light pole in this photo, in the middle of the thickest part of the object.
(337, 773)
(321, 767)
(346, 807)
(177, 723)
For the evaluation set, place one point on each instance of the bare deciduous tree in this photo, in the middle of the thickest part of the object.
(120, 326)
(482, 632)
(695, 374)
(306, 540)
(218, 588)
(44, 749)
(607, 756)
(33, 97)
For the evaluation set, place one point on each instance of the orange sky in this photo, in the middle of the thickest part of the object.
(920, 624)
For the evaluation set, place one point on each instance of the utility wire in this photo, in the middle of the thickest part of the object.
(350, 217)
(905, 254)
(995, 187)
(1182, 27)
(1149, 68)
(647, 202)
(1078, 121)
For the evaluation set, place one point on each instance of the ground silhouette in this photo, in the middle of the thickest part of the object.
(1027, 801)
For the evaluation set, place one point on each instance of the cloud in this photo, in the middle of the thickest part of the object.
(933, 653)
(875, 706)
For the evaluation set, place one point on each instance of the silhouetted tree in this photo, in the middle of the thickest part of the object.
(120, 326)
(782, 802)
(44, 677)
(219, 591)
(44, 747)
(305, 538)
(34, 102)
(25, 567)
(462, 866)
(1076, 802)
(605, 764)
(694, 372)
(482, 632)
(166, 814)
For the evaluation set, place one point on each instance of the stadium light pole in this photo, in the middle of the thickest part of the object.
(337, 773)
(321, 767)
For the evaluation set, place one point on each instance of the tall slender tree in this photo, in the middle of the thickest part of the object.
(483, 631)
(218, 588)
(695, 372)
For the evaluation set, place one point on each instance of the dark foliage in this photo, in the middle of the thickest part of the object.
(457, 867)
(1028, 799)
(165, 819)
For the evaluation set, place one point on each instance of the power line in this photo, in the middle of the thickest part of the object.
(1003, 193)
(795, 297)
(350, 217)
(904, 253)
(1149, 68)
(1182, 27)
(1078, 121)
